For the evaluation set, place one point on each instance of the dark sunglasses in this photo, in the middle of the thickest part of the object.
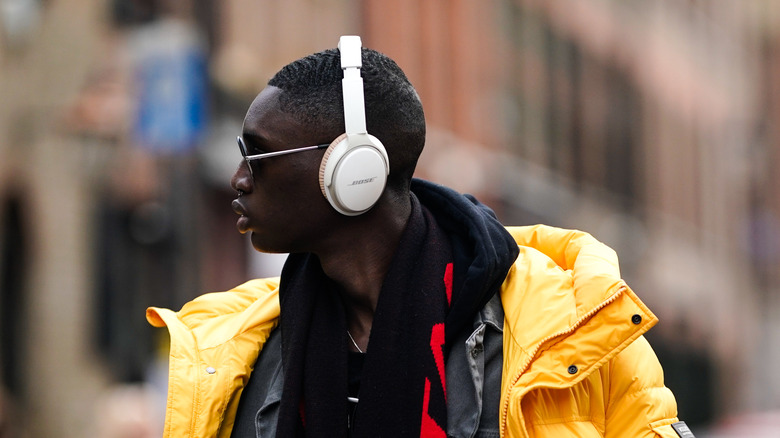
(248, 158)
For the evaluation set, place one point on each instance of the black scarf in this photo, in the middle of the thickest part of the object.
(422, 304)
(402, 389)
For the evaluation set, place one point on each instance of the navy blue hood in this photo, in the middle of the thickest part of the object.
(483, 249)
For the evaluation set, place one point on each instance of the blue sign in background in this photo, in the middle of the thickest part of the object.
(172, 101)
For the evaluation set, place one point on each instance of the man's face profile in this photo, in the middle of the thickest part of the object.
(282, 206)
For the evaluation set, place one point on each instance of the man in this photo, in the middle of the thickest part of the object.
(404, 308)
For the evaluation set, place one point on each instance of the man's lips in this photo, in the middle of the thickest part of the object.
(243, 222)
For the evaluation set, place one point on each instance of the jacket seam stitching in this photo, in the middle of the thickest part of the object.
(172, 397)
(274, 321)
(571, 419)
(225, 399)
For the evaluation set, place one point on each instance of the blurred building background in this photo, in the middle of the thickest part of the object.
(651, 124)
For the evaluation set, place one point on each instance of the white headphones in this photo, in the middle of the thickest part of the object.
(354, 169)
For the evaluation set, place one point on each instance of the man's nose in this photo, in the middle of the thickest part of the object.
(242, 178)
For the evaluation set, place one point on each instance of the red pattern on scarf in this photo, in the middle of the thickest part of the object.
(429, 427)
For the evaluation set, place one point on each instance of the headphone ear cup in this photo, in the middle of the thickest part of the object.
(325, 159)
(353, 176)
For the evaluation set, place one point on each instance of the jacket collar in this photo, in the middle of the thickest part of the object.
(567, 273)
(492, 315)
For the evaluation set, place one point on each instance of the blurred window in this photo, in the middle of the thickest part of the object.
(13, 267)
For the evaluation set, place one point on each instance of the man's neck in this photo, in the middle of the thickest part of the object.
(358, 263)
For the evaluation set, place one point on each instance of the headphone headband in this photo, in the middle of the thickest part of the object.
(352, 85)
(354, 169)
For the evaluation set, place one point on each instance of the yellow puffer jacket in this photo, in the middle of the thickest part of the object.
(575, 363)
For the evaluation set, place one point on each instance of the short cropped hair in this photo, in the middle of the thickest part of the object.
(312, 92)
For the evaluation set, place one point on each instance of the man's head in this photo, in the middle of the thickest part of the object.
(312, 92)
(280, 201)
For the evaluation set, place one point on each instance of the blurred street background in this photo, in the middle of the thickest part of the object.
(652, 124)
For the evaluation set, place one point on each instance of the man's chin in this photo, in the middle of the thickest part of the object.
(265, 246)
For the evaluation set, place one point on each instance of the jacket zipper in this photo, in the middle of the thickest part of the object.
(532, 356)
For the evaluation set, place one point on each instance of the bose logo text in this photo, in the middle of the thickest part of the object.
(362, 181)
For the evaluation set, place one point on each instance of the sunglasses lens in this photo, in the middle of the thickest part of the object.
(241, 146)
